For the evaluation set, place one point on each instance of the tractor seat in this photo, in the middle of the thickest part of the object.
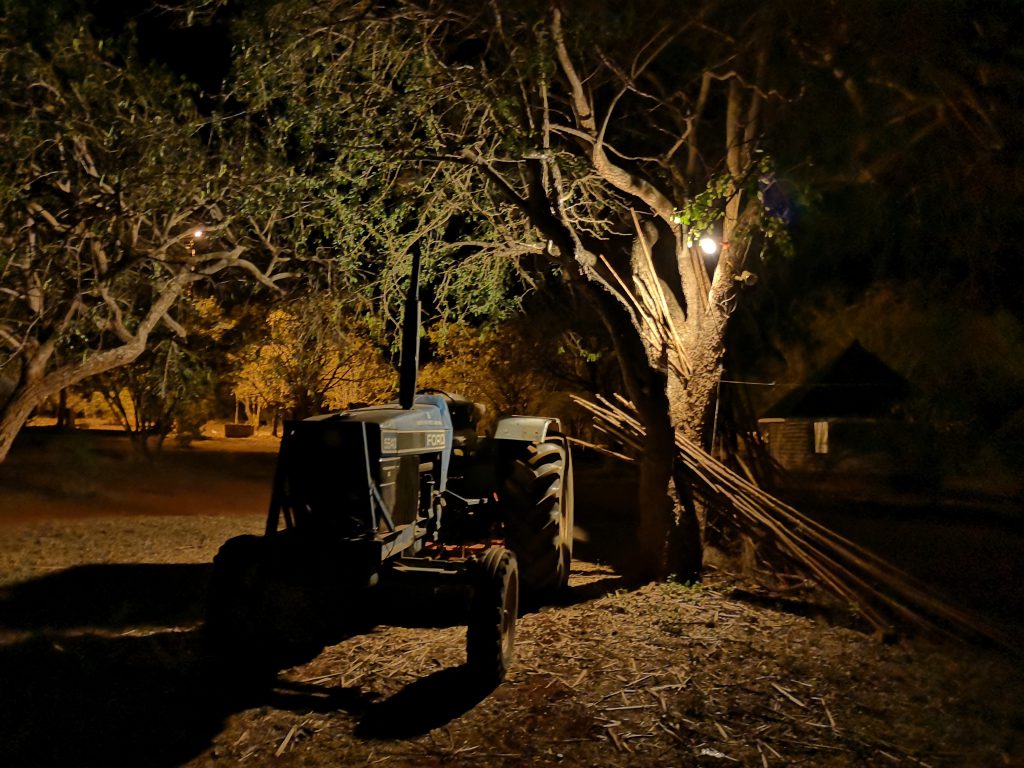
(464, 415)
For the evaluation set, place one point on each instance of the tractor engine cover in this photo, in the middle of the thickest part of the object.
(358, 472)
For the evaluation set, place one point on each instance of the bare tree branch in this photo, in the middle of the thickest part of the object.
(583, 107)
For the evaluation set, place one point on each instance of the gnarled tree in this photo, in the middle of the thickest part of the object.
(112, 213)
(629, 166)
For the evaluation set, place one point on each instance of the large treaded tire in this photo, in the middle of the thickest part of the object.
(262, 609)
(537, 499)
(491, 631)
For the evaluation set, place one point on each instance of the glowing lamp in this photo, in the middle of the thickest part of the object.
(708, 245)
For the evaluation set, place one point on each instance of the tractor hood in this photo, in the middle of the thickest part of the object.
(424, 428)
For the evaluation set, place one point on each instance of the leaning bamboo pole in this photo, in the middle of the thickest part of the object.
(880, 592)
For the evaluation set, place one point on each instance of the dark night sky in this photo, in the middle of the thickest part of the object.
(200, 53)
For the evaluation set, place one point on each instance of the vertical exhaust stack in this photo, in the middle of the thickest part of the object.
(410, 360)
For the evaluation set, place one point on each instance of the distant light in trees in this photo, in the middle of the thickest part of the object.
(197, 234)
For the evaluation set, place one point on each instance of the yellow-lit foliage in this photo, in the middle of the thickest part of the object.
(309, 362)
(517, 367)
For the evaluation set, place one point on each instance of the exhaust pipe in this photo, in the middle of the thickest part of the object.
(410, 359)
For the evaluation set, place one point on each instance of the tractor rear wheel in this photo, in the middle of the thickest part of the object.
(491, 634)
(537, 497)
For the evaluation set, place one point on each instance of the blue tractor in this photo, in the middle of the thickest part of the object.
(402, 498)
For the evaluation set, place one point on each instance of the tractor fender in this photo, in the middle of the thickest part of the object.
(525, 429)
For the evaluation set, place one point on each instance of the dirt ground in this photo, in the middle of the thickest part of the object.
(103, 570)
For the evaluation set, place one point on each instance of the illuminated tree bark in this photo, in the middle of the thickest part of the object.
(657, 286)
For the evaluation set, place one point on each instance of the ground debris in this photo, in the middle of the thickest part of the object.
(660, 675)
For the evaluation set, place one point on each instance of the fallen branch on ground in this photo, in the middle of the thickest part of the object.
(882, 594)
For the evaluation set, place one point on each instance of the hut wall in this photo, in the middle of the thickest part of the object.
(853, 446)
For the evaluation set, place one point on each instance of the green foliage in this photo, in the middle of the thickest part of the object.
(167, 383)
(172, 385)
(345, 103)
(102, 171)
(706, 209)
(107, 169)
(778, 236)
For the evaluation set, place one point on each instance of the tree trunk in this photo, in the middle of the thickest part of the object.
(686, 544)
(35, 385)
(255, 411)
(655, 505)
(64, 420)
(15, 414)
(139, 442)
(668, 539)
(157, 440)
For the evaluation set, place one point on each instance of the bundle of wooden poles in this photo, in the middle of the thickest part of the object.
(886, 597)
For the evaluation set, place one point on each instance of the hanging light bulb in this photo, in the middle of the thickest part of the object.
(709, 245)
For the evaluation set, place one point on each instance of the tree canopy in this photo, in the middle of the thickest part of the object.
(112, 208)
(515, 145)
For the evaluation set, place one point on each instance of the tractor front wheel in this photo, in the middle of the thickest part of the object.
(262, 607)
(491, 635)
(234, 602)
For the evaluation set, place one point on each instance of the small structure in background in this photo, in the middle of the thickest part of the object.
(848, 422)
(238, 430)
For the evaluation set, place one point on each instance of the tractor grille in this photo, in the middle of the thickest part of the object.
(325, 475)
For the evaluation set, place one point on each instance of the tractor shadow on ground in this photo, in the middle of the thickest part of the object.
(424, 704)
(101, 667)
(111, 596)
(107, 665)
(592, 590)
(421, 706)
(93, 700)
